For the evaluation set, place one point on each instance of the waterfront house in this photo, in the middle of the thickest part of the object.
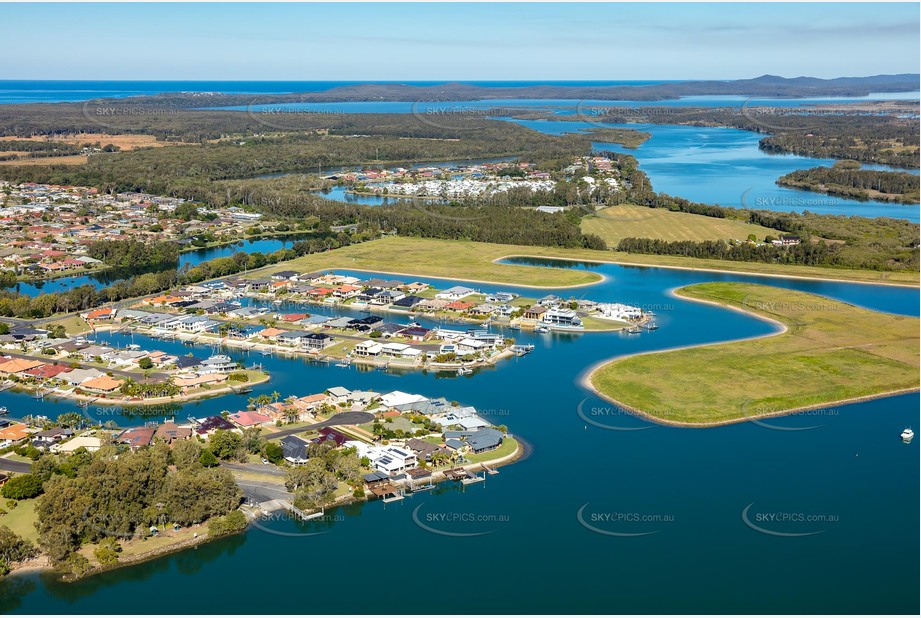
(103, 384)
(533, 313)
(186, 362)
(315, 341)
(339, 394)
(368, 348)
(486, 439)
(423, 450)
(561, 317)
(188, 381)
(456, 292)
(171, 432)
(213, 423)
(270, 333)
(407, 302)
(219, 363)
(249, 418)
(292, 337)
(137, 437)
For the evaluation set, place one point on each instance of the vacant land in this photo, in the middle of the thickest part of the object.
(628, 221)
(21, 519)
(124, 142)
(77, 159)
(466, 260)
(472, 261)
(830, 352)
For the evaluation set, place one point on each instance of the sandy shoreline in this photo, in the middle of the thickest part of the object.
(585, 379)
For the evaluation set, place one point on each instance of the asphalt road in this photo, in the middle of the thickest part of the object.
(341, 418)
(10, 465)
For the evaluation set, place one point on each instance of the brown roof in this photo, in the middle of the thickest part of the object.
(172, 431)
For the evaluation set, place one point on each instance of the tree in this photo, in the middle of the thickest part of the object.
(224, 444)
(13, 548)
(107, 551)
(71, 419)
(273, 452)
(4, 328)
(22, 487)
(251, 441)
(59, 542)
(186, 454)
(235, 521)
(145, 363)
(207, 459)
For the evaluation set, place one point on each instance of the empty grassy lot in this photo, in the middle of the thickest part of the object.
(625, 221)
(831, 352)
(472, 261)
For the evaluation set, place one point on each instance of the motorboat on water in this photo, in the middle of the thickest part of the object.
(541, 329)
(464, 371)
(907, 434)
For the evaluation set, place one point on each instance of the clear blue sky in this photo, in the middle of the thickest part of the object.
(454, 41)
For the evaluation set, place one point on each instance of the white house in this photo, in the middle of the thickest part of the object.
(368, 348)
(455, 293)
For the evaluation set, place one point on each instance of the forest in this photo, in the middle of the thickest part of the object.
(846, 179)
(117, 494)
(135, 253)
(842, 133)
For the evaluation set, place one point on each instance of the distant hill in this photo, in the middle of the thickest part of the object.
(764, 86)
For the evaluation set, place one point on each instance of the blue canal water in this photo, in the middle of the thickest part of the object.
(717, 165)
(549, 529)
(191, 258)
(431, 109)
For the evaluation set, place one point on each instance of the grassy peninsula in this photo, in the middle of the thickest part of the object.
(829, 352)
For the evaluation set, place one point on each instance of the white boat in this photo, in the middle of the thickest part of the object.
(907, 434)
(133, 346)
(464, 371)
(541, 329)
(3, 410)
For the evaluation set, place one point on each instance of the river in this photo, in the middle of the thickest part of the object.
(546, 528)
(190, 258)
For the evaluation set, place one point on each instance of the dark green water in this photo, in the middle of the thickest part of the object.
(550, 532)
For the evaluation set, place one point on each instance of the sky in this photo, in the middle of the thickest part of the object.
(404, 42)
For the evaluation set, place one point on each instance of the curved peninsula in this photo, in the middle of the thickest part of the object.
(828, 352)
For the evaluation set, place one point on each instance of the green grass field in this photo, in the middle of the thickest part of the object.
(831, 352)
(625, 221)
(474, 261)
(21, 519)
